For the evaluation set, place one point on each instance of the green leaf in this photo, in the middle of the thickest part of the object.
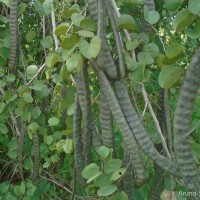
(54, 121)
(69, 42)
(175, 51)
(2, 72)
(75, 62)
(39, 7)
(61, 29)
(152, 49)
(94, 177)
(68, 146)
(90, 170)
(102, 180)
(119, 173)
(59, 146)
(35, 112)
(145, 58)
(173, 5)
(194, 6)
(49, 139)
(32, 70)
(2, 107)
(38, 85)
(183, 19)
(90, 50)
(30, 35)
(47, 42)
(103, 151)
(152, 17)
(120, 195)
(88, 25)
(70, 110)
(27, 97)
(126, 22)
(10, 78)
(47, 5)
(76, 19)
(3, 128)
(131, 45)
(33, 127)
(85, 33)
(107, 190)
(21, 8)
(112, 166)
(168, 76)
(52, 59)
(194, 33)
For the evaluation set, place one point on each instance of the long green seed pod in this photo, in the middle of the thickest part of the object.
(78, 146)
(128, 179)
(139, 132)
(104, 59)
(36, 153)
(90, 134)
(130, 146)
(106, 122)
(14, 37)
(118, 41)
(182, 125)
(20, 151)
(146, 27)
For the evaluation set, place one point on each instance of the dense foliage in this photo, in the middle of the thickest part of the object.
(99, 99)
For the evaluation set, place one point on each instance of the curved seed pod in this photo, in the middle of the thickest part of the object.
(36, 153)
(104, 59)
(146, 27)
(14, 43)
(139, 132)
(90, 134)
(20, 151)
(93, 9)
(130, 144)
(128, 179)
(106, 122)
(78, 146)
(157, 185)
(182, 125)
(118, 40)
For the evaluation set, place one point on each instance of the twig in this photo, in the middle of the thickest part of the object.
(193, 129)
(155, 121)
(145, 108)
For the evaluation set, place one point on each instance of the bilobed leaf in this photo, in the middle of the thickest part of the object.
(120, 195)
(93, 177)
(68, 146)
(33, 127)
(90, 170)
(69, 42)
(3, 128)
(88, 24)
(102, 180)
(126, 22)
(70, 110)
(53, 121)
(183, 19)
(152, 49)
(168, 76)
(112, 166)
(31, 69)
(2, 107)
(75, 62)
(107, 190)
(116, 175)
(173, 5)
(52, 59)
(90, 50)
(131, 45)
(85, 33)
(47, 5)
(103, 151)
(21, 9)
(38, 85)
(47, 42)
(175, 51)
(145, 58)
(152, 16)
(194, 6)
(27, 97)
(30, 35)
(49, 139)
(61, 29)
(194, 33)
(76, 19)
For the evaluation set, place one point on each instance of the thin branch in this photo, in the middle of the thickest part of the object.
(144, 93)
